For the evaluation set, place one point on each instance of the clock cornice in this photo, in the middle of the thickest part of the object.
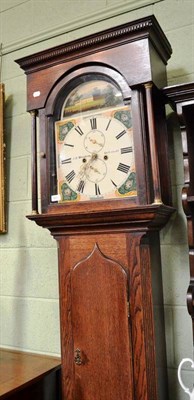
(183, 92)
(147, 27)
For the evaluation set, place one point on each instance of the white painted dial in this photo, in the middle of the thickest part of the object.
(95, 156)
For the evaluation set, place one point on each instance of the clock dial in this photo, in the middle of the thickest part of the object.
(95, 156)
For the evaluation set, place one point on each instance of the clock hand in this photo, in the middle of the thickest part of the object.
(94, 141)
(91, 160)
(95, 169)
(84, 167)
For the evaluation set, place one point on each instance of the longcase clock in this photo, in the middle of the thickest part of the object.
(105, 194)
(181, 98)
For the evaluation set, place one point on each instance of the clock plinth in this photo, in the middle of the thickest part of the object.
(105, 194)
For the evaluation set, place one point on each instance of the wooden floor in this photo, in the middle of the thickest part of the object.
(20, 371)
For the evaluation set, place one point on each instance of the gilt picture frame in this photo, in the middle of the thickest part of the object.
(2, 162)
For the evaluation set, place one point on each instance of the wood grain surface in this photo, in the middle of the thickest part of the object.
(18, 369)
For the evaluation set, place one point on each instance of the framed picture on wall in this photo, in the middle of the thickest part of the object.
(2, 163)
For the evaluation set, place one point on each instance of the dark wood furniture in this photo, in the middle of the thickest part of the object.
(111, 302)
(28, 376)
(182, 99)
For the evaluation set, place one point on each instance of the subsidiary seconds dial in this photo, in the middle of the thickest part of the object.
(95, 157)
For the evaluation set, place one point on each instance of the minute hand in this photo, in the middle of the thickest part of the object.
(84, 168)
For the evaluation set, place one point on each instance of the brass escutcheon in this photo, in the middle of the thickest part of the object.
(77, 358)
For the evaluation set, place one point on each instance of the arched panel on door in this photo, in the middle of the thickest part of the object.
(102, 345)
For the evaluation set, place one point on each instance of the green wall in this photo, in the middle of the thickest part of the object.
(28, 254)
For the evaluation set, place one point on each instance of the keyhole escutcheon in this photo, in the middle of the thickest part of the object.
(77, 357)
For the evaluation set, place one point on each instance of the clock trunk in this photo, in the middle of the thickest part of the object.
(111, 313)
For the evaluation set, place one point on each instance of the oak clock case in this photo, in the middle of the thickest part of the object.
(105, 194)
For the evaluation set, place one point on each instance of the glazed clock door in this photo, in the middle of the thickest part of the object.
(101, 335)
(93, 135)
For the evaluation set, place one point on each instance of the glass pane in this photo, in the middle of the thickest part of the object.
(90, 95)
(94, 143)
